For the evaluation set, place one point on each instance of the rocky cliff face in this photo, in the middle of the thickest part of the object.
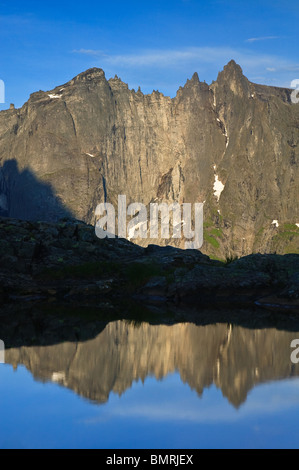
(232, 145)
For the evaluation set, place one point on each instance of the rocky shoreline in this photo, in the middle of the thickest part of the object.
(65, 262)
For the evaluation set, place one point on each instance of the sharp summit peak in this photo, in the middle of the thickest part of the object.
(232, 66)
(89, 74)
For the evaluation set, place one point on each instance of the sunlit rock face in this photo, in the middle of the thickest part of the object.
(232, 145)
(233, 358)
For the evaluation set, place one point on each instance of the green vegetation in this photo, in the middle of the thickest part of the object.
(89, 270)
(208, 223)
(216, 258)
(211, 240)
(285, 235)
(217, 232)
(290, 228)
(212, 232)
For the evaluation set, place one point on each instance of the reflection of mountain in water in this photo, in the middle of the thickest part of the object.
(235, 359)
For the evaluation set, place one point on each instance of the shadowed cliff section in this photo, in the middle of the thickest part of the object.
(232, 144)
(23, 197)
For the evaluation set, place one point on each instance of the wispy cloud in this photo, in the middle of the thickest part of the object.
(248, 59)
(263, 38)
(166, 58)
(92, 52)
(274, 69)
(266, 399)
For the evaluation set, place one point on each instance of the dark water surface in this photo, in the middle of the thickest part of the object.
(127, 384)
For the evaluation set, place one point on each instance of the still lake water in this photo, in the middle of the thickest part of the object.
(130, 386)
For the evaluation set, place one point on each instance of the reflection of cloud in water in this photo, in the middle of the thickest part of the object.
(264, 399)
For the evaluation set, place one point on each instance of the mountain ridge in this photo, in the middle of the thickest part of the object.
(232, 144)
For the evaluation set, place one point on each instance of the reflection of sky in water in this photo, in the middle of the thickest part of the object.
(156, 414)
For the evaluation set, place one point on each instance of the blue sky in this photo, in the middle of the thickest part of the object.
(154, 44)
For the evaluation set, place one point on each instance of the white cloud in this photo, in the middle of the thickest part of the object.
(263, 38)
